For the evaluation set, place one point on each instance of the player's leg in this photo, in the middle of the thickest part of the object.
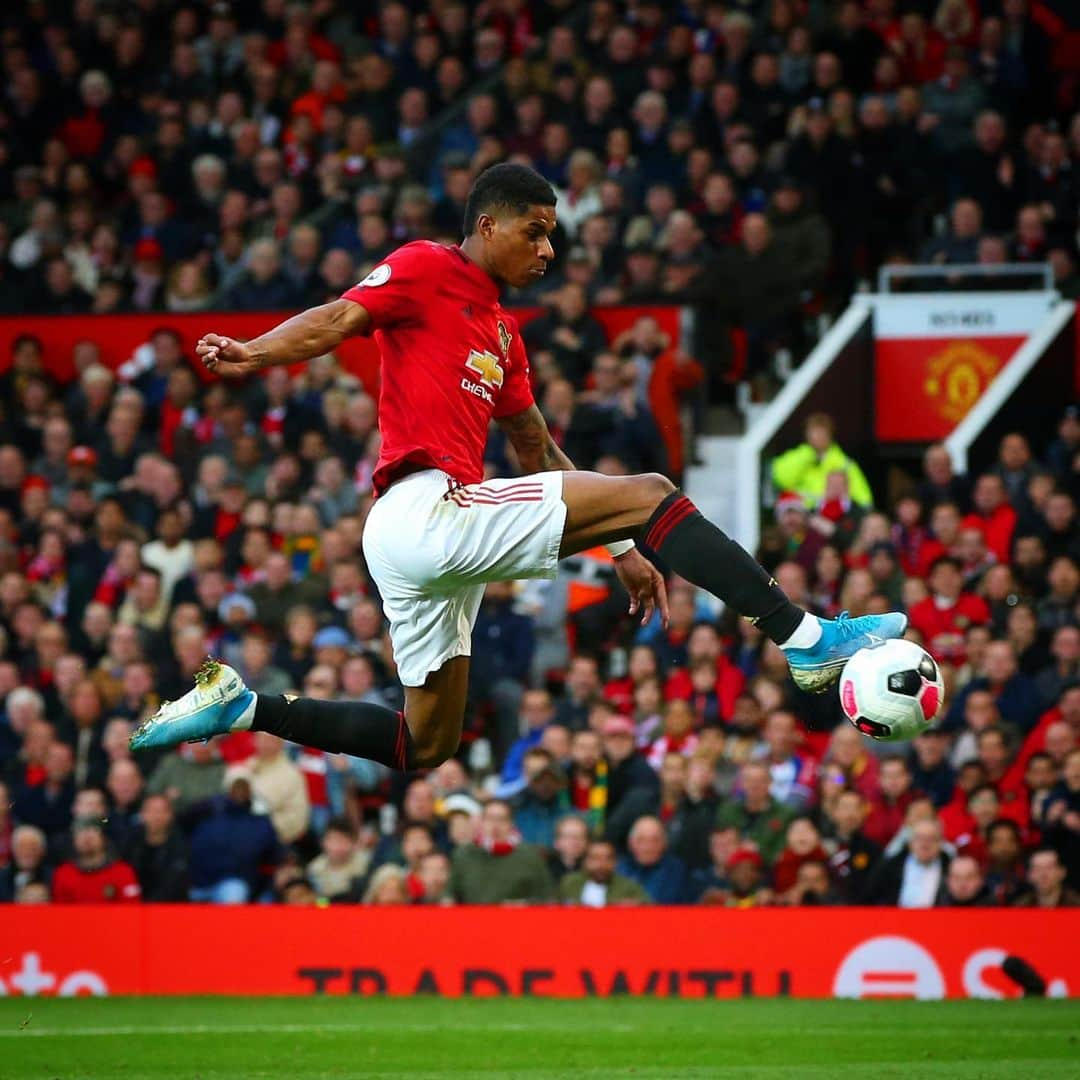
(423, 736)
(430, 630)
(649, 508)
(600, 509)
(432, 638)
(435, 713)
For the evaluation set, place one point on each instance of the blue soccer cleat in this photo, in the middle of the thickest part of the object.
(216, 702)
(817, 668)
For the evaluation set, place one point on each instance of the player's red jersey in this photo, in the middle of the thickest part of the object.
(451, 360)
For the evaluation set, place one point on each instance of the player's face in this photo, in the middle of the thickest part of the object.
(520, 247)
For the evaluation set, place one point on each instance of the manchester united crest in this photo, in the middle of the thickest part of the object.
(957, 377)
(504, 339)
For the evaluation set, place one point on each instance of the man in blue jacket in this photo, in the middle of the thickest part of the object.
(536, 712)
(543, 801)
(651, 865)
(230, 846)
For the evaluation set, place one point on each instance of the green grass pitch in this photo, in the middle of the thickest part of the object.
(642, 1039)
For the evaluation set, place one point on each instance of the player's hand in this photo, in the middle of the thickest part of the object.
(645, 585)
(225, 356)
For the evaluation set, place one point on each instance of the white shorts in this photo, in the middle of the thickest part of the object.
(431, 545)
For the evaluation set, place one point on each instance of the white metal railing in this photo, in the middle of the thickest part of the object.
(1040, 273)
(1005, 383)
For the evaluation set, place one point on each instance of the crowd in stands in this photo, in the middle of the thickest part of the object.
(756, 159)
(747, 159)
(603, 762)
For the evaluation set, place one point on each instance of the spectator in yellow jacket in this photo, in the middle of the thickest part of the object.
(806, 468)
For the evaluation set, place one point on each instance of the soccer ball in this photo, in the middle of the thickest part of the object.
(891, 691)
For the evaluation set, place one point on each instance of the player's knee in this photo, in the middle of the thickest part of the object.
(430, 753)
(654, 489)
(431, 746)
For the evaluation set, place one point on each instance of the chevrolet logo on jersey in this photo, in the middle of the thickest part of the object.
(487, 367)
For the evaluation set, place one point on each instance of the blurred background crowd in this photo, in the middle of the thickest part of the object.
(753, 161)
(757, 159)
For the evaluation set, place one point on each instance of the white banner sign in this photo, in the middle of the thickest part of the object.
(959, 315)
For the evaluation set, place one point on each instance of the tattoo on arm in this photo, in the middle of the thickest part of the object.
(536, 450)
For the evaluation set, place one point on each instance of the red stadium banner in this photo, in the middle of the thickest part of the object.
(118, 336)
(935, 355)
(546, 952)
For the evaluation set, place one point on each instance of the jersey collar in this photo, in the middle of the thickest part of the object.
(483, 281)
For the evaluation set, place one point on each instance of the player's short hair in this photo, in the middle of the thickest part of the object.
(507, 187)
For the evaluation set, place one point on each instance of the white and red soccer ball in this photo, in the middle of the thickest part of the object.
(891, 691)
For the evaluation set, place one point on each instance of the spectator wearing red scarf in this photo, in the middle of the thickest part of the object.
(119, 575)
(588, 780)
(178, 416)
(678, 737)
(497, 868)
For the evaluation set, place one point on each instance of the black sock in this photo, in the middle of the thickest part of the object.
(341, 727)
(700, 552)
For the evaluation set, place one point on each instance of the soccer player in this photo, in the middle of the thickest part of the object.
(452, 359)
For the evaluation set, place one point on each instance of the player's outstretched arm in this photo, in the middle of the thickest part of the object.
(532, 442)
(314, 332)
